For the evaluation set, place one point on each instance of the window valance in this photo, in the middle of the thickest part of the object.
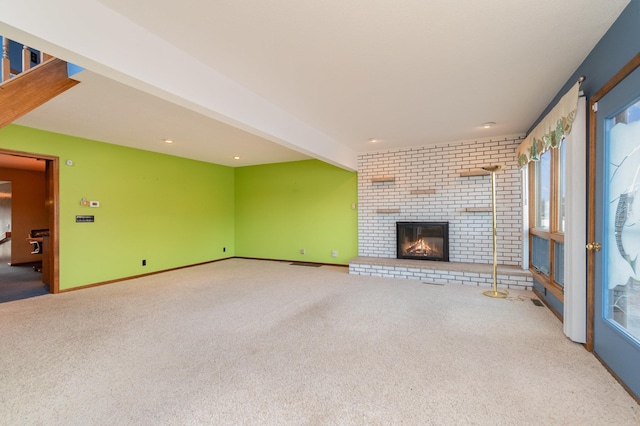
(551, 130)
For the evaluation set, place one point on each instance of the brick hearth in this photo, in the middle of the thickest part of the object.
(441, 272)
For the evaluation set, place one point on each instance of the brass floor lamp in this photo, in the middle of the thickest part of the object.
(494, 293)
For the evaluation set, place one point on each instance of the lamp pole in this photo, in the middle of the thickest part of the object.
(494, 293)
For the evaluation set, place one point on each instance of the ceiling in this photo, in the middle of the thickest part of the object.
(104, 110)
(277, 80)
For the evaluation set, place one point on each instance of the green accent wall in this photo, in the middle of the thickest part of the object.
(168, 210)
(175, 212)
(284, 207)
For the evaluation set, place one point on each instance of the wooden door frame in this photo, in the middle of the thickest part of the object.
(52, 182)
(591, 207)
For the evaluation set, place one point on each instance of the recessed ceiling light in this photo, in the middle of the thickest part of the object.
(373, 140)
(236, 157)
(169, 141)
(488, 124)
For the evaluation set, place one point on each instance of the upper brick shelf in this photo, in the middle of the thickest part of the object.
(478, 209)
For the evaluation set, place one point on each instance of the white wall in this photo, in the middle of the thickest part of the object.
(439, 167)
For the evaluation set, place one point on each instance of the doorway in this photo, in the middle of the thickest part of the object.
(16, 281)
(614, 225)
(46, 261)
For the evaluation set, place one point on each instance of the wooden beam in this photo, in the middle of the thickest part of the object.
(53, 207)
(547, 282)
(29, 90)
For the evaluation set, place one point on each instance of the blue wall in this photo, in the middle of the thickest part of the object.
(617, 47)
(549, 298)
(614, 50)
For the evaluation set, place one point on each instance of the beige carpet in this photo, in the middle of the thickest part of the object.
(257, 342)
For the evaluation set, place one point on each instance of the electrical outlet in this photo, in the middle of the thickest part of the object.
(144, 262)
(224, 249)
(334, 253)
(301, 251)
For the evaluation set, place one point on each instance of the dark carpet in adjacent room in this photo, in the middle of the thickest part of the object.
(20, 282)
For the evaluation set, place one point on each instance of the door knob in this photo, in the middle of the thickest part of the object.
(593, 246)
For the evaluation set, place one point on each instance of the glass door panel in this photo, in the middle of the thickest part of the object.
(616, 320)
(622, 295)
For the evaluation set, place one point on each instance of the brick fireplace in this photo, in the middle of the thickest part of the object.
(442, 183)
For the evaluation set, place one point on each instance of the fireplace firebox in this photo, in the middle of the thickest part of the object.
(423, 240)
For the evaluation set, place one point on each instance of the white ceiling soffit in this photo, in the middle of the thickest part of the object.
(324, 77)
(104, 110)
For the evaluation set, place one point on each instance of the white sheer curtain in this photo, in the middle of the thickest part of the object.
(575, 235)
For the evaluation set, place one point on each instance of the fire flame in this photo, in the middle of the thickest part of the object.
(423, 248)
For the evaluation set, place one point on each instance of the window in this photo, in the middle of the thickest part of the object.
(562, 167)
(543, 190)
(547, 157)
(547, 208)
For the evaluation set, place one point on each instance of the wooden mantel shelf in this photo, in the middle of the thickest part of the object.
(474, 172)
(380, 179)
(422, 191)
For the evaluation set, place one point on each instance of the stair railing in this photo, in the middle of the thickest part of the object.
(6, 64)
(7, 71)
